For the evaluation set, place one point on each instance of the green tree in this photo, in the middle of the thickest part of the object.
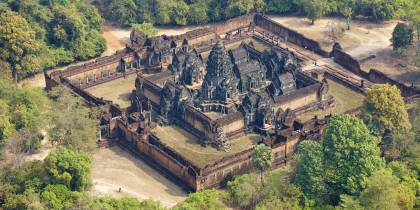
(17, 44)
(309, 172)
(122, 11)
(198, 13)
(72, 124)
(69, 168)
(244, 191)
(261, 159)
(280, 6)
(178, 11)
(402, 36)
(381, 191)
(59, 197)
(348, 202)
(279, 193)
(202, 200)
(386, 116)
(314, 9)
(147, 28)
(350, 155)
(346, 8)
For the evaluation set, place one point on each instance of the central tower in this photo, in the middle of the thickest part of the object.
(220, 83)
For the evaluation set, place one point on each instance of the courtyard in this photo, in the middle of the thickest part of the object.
(189, 146)
(118, 91)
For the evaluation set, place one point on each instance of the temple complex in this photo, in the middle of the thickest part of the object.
(202, 100)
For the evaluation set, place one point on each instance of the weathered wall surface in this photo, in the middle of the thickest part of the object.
(232, 24)
(373, 75)
(299, 97)
(291, 35)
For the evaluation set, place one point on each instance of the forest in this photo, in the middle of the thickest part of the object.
(49, 33)
(187, 12)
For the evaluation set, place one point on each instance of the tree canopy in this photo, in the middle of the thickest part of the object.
(47, 34)
(341, 164)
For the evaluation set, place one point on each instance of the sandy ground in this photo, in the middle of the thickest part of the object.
(363, 37)
(113, 168)
(363, 40)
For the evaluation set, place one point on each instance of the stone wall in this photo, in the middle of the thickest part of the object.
(373, 75)
(232, 24)
(289, 34)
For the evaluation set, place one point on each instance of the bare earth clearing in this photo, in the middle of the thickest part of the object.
(113, 168)
(363, 40)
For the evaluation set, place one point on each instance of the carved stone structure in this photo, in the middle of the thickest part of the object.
(218, 95)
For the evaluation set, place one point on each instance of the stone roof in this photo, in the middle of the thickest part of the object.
(239, 55)
(286, 82)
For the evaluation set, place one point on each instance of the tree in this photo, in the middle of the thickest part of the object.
(381, 191)
(18, 46)
(279, 193)
(198, 13)
(72, 124)
(309, 172)
(402, 36)
(59, 197)
(147, 28)
(244, 191)
(346, 7)
(314, 9)
(280, 6)
(122, 11)
(351, 155)
(69, 168)
(386, 116)
(202, 200)
(261, 159)
(349, 203)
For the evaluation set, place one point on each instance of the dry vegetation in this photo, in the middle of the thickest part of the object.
(190, 148)
(117, 91)
(345, 99)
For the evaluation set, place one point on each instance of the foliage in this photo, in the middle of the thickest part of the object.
(314, 9)
(261, 157)
(147, 28)
(402, 36)
(279, 193)
(59, 197)
(384, 191)
(69, 168)
(244, 191)
(386, 116)
(22, 110)
(72, 124)
(17, 44)
(48, 33)
(309, 171)
(341, 164)
(202, 200)
(350, 155)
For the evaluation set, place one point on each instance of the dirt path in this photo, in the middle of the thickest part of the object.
(114, 168)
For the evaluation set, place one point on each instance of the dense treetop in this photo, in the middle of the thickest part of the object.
(185, 12)
(50, 33)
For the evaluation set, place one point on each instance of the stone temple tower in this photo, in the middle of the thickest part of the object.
(220, 82)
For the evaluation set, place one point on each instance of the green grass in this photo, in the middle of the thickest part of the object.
(345, 99)
(190, 148)
(118, 91)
